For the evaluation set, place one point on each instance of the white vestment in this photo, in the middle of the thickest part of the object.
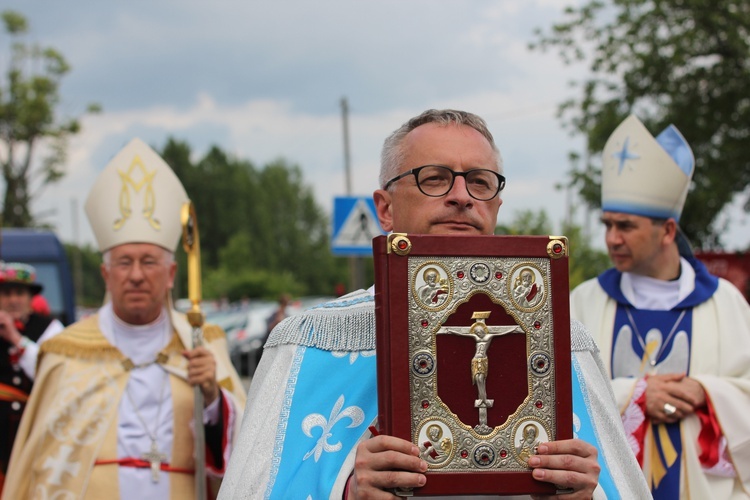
(719, 359)
(80, 436)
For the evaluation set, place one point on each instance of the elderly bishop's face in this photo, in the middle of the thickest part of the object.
(404, 209)
(138, 277)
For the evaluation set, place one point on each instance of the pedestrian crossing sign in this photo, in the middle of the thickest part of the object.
(354, 225)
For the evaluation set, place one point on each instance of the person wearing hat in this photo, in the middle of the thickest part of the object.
(21, 332)
(675, 339)
(111, 414)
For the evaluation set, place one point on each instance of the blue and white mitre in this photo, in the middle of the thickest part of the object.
(643, 175)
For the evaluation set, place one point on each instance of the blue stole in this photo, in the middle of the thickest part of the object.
(665, 458)
(664, 474)
(331, 402)
(583, 428)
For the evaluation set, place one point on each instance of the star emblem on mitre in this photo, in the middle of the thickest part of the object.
(657, 177)
(624, 154)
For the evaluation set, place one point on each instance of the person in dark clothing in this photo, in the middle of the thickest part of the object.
(278, 315)
(274, 319)
(21, 332)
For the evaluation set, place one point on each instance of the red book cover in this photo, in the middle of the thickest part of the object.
(473, 350)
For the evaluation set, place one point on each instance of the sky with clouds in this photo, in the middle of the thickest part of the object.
(264, 80)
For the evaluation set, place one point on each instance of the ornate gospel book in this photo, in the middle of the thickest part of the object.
(473, 355)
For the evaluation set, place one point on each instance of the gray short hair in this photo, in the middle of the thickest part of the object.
(392, 155)
(107, 257)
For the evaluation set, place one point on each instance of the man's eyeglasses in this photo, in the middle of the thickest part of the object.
(437, 180)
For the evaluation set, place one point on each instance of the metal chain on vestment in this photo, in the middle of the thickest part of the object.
(652, 361)
(153, 456)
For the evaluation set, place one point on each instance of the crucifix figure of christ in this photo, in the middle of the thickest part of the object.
(483, 335)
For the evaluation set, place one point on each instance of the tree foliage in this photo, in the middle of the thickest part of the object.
(527, 222)
(685, 62)
(29, 97)
(585, 261)
(90, 288)
(262, 232)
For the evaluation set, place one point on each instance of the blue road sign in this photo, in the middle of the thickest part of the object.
(355, 224)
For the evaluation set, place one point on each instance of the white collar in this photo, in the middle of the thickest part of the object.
(140, 343)
(654, 294)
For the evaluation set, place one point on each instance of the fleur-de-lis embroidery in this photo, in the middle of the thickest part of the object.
(354, 413)
(353, 355)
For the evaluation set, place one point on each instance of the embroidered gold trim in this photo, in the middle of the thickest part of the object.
(213, 332)
(82, 340)
(175, 345)
(226, 383)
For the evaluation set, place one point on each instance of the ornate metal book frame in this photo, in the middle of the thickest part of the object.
(473, 347)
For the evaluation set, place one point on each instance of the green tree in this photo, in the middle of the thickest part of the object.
(585, 262)
(262, 231)
(674, 61)
(90, 290)
(223, 190)
(295, 230)
(236, 278)
(28, 122)
(526, 222)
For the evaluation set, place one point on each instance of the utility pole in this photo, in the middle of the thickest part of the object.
(347, 155)
(356, 267)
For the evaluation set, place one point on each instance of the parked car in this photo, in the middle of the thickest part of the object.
(247, 336)
(228, 320)
(247, 329)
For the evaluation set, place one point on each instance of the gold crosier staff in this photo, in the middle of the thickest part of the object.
(191, 244)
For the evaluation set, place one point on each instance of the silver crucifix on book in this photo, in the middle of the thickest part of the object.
(483, 335)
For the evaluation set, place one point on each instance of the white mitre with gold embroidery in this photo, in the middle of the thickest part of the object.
(643, 175)
(136, 199)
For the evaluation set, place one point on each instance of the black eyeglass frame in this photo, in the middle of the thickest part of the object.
(415, 172)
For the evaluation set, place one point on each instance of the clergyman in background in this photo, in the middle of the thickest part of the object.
(675, 338)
